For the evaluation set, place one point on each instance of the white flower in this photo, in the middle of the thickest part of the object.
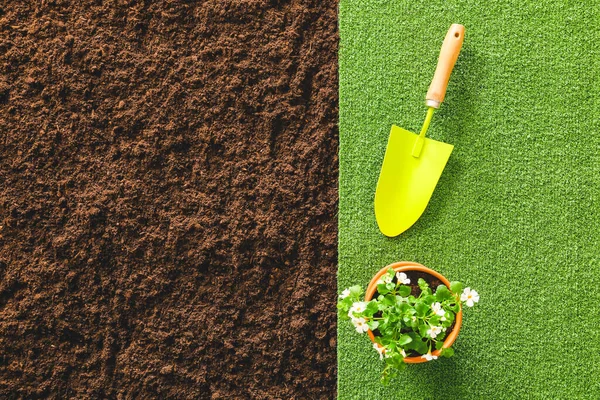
(345, 294)
(360, 324)
(402, 278)
(380, 349)
(431, 333)
(385, 279)
(357, 307)
(470, 297)
(403, 353)
(429, 357)
(438, 310)
(434, 331)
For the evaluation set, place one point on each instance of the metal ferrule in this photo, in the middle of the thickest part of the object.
(432, 103)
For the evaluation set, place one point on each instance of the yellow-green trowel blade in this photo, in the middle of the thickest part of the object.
(406, 183)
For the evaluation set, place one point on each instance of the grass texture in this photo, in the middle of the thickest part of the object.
(516, 213)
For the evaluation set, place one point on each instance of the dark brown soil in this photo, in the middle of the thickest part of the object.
(414, 277)
(169, 193)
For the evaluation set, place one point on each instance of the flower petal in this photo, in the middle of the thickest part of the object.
(465, 294)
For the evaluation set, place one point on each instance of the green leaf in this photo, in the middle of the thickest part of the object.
(382, 289)
(356, 290)
(372, 308)
(373, 325)
(442, 293)
(438, 345)
(390, 286)
(422, 329)
(414, 343)
(383, 327)
(456, 287)
(414, 323)
(421, 347)
(447, 352)
(389, 300)
(404, 291)
(455, 307)
(404, 340)
(422, 284)
(397, 360)
(392, 318)
(386, 377)
(347, 303)
(344, 307)
(421, 308)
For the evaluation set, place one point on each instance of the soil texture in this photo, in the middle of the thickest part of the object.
(169, 197)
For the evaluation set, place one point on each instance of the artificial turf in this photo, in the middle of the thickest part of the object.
(516, 213)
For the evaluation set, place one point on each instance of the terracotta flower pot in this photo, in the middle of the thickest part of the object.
(406, 266)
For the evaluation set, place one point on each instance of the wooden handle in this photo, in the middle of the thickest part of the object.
(448, 55)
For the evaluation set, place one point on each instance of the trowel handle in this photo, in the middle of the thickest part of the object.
(448, 55)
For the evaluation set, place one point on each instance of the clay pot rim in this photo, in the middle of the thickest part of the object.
(404, 266)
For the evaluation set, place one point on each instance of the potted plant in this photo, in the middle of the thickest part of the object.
(411, 313)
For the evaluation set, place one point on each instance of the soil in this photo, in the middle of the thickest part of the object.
(414, 277)
(169, 196)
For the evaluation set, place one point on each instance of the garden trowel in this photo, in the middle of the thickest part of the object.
(413, 164)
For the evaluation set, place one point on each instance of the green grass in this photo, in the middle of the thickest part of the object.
(516, 214)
